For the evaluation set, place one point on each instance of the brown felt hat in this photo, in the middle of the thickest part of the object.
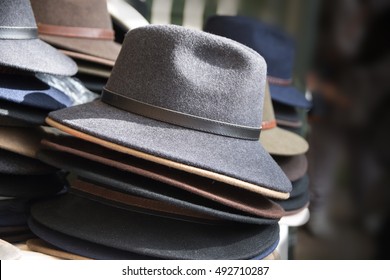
(78, 26)
(275, 140)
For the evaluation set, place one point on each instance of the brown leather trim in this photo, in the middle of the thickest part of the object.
(268, 124)
(127, 199)
(75, 32)
(279, 81)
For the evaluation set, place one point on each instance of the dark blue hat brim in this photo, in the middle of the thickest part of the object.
(136, 232)
(22, 114)
(289, 95)
(30, 91)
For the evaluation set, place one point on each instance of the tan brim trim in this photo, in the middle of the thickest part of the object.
(38, 245)
(281, 142)
(87, 57)
(172, 164)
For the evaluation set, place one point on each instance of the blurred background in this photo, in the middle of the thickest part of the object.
(342, 64)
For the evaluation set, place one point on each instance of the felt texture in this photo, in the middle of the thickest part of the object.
(11, 163)
(133, 184)
(21, 113)
(278, 141)
(272, 43)
(299, 196)
(29, 186)
(165, 66)
(114, 228)
(75, 13)
(236, 198)
(25, 141)
(30, 91)
(32, 54)
(293, 166)
(38, 245)
(8, 251)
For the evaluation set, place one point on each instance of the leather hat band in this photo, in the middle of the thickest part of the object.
(279, 81)
(268, 124)
(76, 32)
(179, 118)
(18, 33)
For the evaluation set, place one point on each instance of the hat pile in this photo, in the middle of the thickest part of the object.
(287, 148)
(168, 162)
(278, 50)
(82, 30)
(25, 101)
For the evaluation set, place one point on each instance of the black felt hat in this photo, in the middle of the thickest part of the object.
(186, 99)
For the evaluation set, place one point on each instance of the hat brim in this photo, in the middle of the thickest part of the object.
(129, 183)
(241, 163)
(30, 186)
(280, 142)
(230, 196)
(289, 95)
(286, 113)
(14, 164)
(30, 91)
(21, 113)
(114, 227)
(24, 141)
(297, 218)
(35, 56)
(85, 58)
(294, 167)
(104, 49)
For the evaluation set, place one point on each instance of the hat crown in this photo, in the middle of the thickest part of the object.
(191, 72)
(268, 110)
(16, 13)
(272, 43)
(72, 13)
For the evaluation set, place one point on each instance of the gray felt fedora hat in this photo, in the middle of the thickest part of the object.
(185, 99)
(19, 44)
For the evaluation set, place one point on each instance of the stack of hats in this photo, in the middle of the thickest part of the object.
(278, 50)
(25, 101)
(83, 30)
(168, 162)
(287, 148)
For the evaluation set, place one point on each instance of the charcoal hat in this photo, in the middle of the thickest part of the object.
(276, 140)
(136, 232)
(273, 44)
(22, 114)
(19, 44)
(202, 124)
(29, 186)
(82, 27)
(259, 211)
(236, 198)
(294, 167)
(11, 163)
(30, 91)
(299, 196)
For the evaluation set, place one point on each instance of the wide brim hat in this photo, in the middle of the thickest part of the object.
(224, 194)
(294, 167)
(299, 198)
(11, 163)
(114, 227)
(30, 91)
(261, 212)
(31, 116)
(20, 47)
(72, 26)
(289, 95)
(231, 157)
(275, 140)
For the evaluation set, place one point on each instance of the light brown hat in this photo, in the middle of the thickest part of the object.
(82, 27)
(275, 140)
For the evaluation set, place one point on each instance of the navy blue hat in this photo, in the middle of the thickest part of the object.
(30, 91)
(273, 44)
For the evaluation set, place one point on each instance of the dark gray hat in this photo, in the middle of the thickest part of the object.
(186, 99)
(19, 44)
